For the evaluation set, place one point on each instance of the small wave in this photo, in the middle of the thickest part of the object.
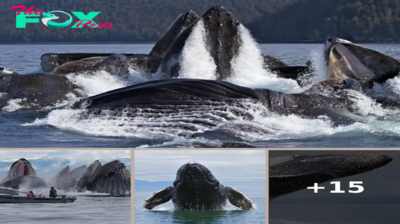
(201, 66)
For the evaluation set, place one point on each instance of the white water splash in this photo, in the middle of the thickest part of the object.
(90, 84)
(95, 84)
(169, 207)
(13, 105)
(390, 90)
(135, 77)
(320, 70)
(196, 61)
(247, 68)
(366, 106)
(263, 127)
(122, 126)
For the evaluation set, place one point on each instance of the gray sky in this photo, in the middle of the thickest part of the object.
(230, 165)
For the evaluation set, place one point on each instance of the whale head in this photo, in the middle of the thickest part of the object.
(181, 23)
(195, 174)
(222, 40)
(346, 59)
(20, 168)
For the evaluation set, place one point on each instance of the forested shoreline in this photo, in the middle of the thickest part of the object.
(270, 21)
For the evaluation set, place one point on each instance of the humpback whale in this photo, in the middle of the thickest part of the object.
(50, 61)
(283, 70)
(22, 174)
(346, 59)
(174, 96)
(365, 66)
(82, 182)
(291, 72)
(335, 87)
(270, 61)
(66, 179)
(147, 64)
(112, 178)
(115, 64)
(182, 22)
(36, 90)
(221, 37)
(293, 173)
(196, 189)
(223, 40)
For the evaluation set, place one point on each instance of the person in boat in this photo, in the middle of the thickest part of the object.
(53, 192)
(31, 194)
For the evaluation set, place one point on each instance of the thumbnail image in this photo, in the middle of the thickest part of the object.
(196, 186)
(326, 187)
(65, 186)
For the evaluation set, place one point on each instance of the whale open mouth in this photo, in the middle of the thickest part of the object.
(21, 168)
(348, 60)
(345, 61)
(196, 174)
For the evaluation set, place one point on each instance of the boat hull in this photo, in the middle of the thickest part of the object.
(25, 200)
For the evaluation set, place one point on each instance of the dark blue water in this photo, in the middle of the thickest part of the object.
(60, 129)
(166, 214)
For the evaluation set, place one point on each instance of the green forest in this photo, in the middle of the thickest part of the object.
(270, 21)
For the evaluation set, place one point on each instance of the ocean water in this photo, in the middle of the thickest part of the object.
(377, 204)
(105, 210)
(165, 213)
(60, 128)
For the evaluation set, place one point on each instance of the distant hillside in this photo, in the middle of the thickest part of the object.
(133, 20)
(268, 20)
(314, 20)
